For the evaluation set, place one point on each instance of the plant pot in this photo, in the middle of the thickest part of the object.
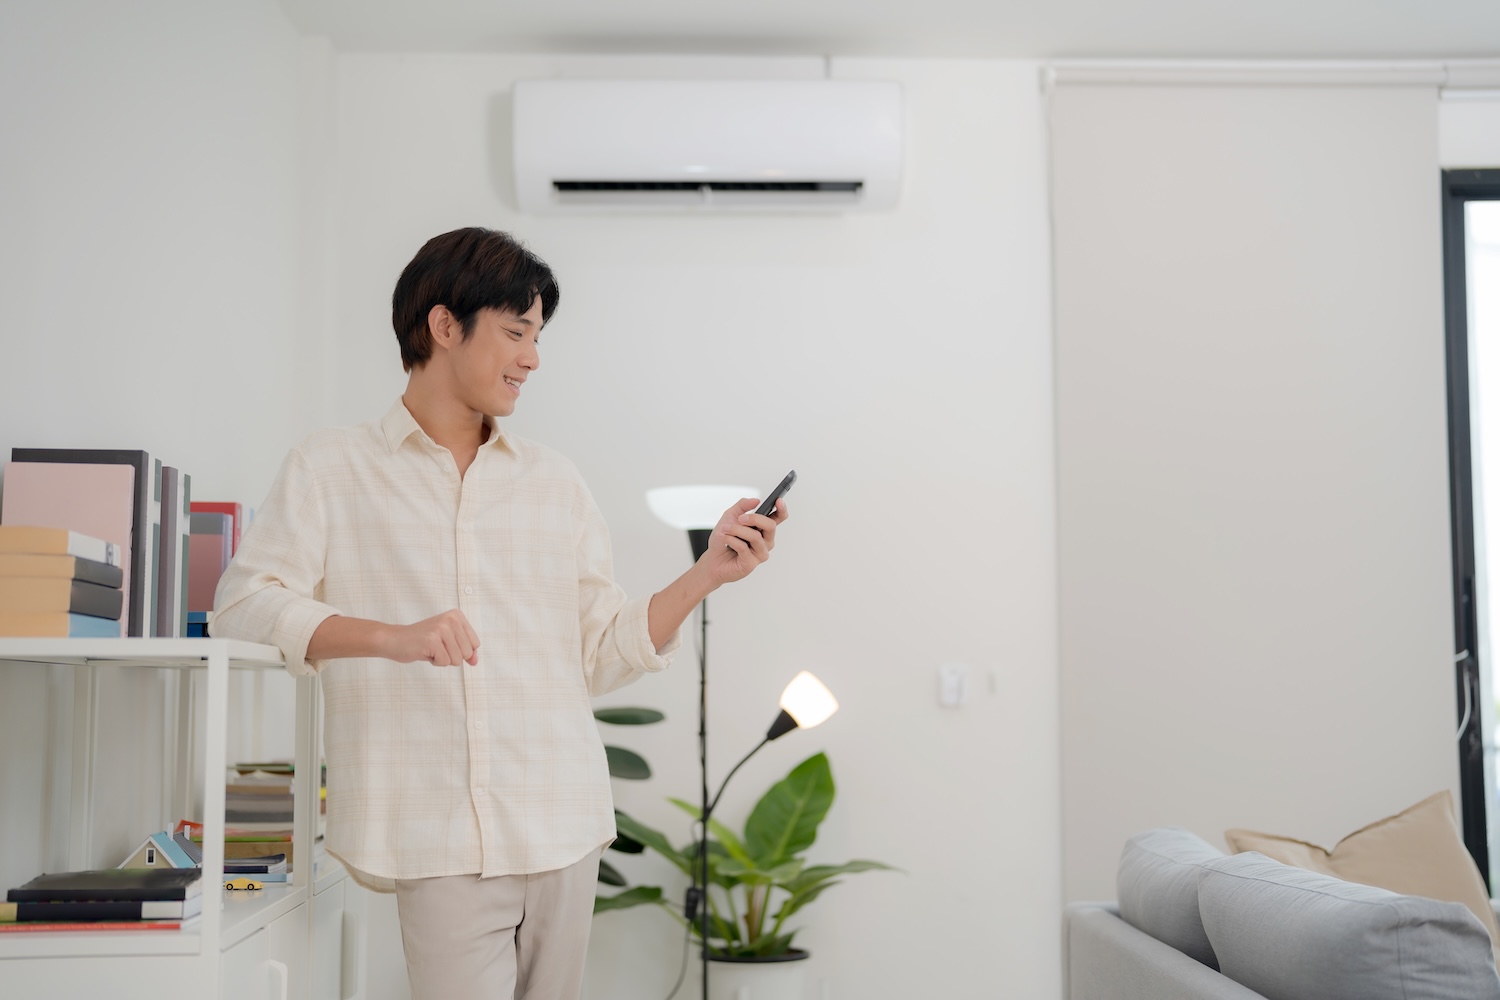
(778, 978)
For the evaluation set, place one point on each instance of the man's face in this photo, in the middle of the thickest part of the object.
(498, 356)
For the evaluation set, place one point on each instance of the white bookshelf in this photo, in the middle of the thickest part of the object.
(263, 943)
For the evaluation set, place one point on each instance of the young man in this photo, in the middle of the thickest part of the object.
(451, 585)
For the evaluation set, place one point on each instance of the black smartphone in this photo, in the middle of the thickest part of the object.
(768, 505)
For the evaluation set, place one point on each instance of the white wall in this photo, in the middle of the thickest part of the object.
(1255, 600)
(1469, 129)
(901, 363)
(149, 263)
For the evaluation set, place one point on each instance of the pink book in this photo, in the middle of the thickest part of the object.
(209, 551)
(97, 500)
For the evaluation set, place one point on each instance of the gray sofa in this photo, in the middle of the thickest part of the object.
(1195, 924)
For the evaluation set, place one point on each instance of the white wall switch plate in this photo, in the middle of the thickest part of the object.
(953, 684)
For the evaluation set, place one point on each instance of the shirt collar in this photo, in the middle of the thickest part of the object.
(398, 424)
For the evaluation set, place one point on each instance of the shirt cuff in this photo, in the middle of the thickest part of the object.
(636, 619)
(294, 630)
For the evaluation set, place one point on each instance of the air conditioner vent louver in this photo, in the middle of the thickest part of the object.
(848, 186)
(706, 145)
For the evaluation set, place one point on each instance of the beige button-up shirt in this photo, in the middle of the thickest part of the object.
(497, 768)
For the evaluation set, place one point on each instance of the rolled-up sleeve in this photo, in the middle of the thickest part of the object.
(269, 593)
(617, 647)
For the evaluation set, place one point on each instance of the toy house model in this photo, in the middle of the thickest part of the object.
(163, 850)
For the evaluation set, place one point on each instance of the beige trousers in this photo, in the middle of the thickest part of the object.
(511, 937)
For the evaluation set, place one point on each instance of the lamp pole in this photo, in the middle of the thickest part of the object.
(698, 897)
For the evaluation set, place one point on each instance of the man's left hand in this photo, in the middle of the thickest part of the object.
(741, 541)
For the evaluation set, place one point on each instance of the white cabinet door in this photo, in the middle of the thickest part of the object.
(243, 971)
(328, 944)
(286, 955)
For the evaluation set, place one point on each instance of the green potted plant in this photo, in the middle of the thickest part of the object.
(759, 879)
(625, 764)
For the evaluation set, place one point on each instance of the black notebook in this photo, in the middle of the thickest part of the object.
(111, 884)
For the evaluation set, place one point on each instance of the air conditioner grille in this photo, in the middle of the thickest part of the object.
(850, 187)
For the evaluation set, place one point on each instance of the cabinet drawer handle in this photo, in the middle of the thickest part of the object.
(352, 955)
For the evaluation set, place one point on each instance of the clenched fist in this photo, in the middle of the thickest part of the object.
(444, 640)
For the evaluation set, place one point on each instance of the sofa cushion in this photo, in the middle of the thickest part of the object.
(1292, 934)
(1417, 852)
(1157, 884)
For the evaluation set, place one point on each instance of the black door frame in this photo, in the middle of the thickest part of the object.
(1459, 188)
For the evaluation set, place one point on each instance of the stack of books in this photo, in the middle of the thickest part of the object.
(258, 799)
(55, 582)
(266, 868)
(105, 899)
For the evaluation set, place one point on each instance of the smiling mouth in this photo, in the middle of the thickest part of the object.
(513, 383)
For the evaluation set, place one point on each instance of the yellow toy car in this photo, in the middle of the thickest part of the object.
(244, 883)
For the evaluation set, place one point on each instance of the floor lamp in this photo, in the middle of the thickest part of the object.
(696, 510)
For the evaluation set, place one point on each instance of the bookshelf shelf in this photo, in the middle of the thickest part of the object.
(179, 653)
(295, 930)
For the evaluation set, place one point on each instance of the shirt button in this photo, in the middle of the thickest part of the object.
(479, 791)
(468, 590)
(478, 725)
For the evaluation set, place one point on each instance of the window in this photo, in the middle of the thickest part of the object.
(1471, 251)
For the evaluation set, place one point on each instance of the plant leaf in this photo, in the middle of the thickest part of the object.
(641, 833)
(785, 821)
(719, 929)
(626, 845)
(628, 716)
(610, 875)
(768, 946)
(726, 836)
(813, 881)
(639, 896)
(819, 873)
(716, 857)
(626, 763)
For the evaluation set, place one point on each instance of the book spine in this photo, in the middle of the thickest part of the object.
(36, 926)
(98, 894)
(92, 599)
(76, 910)
(58, 625)
(60, 567)
(42, 594)
(168, 607)
(25, 539)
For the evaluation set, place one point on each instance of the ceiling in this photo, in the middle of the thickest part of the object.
(1116, 29)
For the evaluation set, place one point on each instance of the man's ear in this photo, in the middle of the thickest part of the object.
(444, 327)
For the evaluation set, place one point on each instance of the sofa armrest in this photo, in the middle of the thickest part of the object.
(1107, 959)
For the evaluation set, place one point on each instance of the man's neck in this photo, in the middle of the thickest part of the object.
(444, 418)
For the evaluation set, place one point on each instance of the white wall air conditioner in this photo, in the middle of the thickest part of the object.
(739, 145)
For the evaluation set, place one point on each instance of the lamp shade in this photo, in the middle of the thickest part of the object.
(694, 507)
(808, 701)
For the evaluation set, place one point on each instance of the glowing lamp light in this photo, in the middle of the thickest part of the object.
(805, 702)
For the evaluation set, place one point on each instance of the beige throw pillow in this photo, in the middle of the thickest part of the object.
(1417, 852)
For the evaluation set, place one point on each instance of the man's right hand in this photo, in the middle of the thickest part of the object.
(445, 640)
